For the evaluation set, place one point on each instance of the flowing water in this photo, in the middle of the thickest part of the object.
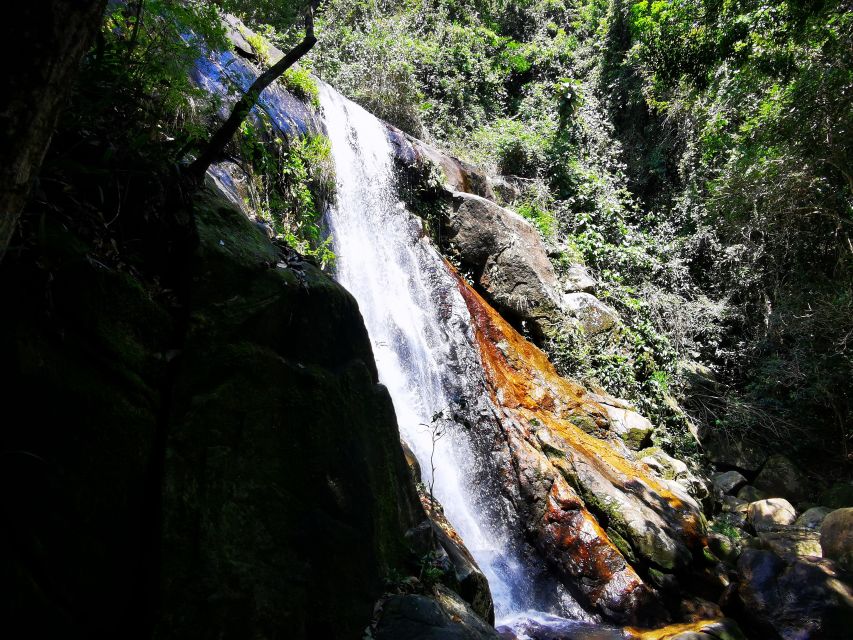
(414, 316)
(426, 354)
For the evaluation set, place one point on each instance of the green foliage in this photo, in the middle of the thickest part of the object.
(141, 73)
(513, 147)
(762, 95)
(300, 83)
(540, 216)
(727, 529)
(293, 179)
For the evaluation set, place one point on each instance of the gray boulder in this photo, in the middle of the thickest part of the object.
(725, 453)
(444, 616)
(791, 541)
(795, 599)
(733, 504)
(751, 494)
(766, 514)
(780, 477)
(634, 429)
(812, 518)
(508, 261)
(728, 482)
(590, 314)
(577, 278)
(836, 537)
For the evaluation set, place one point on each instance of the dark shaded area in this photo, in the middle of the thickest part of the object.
(44, 41)
(218, 461)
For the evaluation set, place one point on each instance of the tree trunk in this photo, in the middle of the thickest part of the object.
(247, 101)
(42, 45)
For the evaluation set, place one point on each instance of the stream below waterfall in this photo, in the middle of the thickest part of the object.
(426, 355)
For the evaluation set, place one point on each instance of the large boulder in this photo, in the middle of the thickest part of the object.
(812, 518)
(591, 315)
(728, 482)
(577, 278)
(779, 477)
(416, 156)
(750, 494)
(790, 599)
(508, 262)
(227, 467)
(791, 541)
(724, 452)
(440, 616)
(836, 537)
(766, 514)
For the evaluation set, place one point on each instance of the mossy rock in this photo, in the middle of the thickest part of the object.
(248, 472)
(284, 455)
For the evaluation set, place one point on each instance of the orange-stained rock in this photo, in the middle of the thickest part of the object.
(575, 487)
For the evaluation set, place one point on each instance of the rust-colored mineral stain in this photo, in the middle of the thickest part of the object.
(523, 380)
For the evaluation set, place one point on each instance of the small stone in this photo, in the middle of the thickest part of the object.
(836, 537)
(634, 429)
(724, 547)
(750, 494)
(813, 517)
(766, 514)
(577, 278)
(728, 482)
(733, 504)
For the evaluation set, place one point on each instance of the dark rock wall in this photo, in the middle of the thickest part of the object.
(222, 465)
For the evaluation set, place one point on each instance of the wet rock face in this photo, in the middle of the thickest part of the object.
(437, 536)
(797, 598)
(285, 495)
(588, 507)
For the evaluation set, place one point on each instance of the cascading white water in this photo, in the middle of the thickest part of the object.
(410, 305)
(425, 350)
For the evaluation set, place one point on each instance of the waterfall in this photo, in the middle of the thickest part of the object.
(408, 302)
(425, 351)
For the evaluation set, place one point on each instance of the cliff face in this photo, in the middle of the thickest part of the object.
(224, 463)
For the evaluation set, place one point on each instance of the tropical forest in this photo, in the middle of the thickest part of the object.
(427, 320)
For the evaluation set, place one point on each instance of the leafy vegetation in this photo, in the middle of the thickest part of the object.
(140, 72)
